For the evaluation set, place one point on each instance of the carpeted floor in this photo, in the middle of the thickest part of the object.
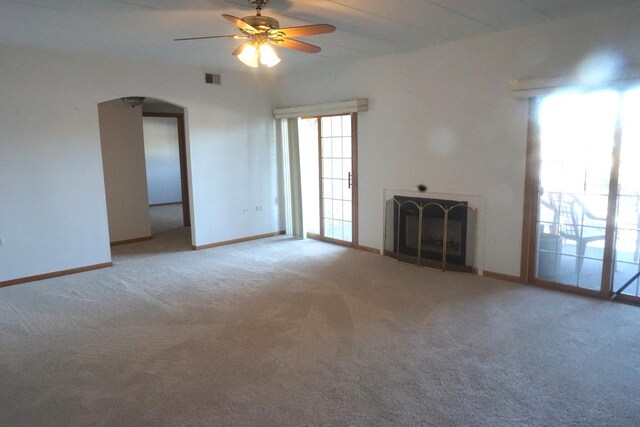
(288, 332)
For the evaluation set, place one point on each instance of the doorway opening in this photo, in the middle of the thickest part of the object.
(328, 176)
(166, 168)
(144, 153)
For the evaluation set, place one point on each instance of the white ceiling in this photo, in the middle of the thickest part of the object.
(145, 28)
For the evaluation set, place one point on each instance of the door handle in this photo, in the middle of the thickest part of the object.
(349, 176)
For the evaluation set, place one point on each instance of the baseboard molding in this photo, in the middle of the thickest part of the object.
(368, 249)
(501, 276)
(243, 239)
(54, 274)
(165, 204)
(136, 240)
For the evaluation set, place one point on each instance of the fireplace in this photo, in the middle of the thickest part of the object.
(407, 239)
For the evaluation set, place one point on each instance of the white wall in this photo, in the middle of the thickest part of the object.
(443, 116)
(52, 201)
(153, 106)
(123, 162)
(162, 158)
(440, 116)
(52, 205)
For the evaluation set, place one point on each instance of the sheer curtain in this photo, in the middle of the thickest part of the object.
(294, 225)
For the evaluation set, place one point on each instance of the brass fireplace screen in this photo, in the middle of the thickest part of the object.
(435, 233)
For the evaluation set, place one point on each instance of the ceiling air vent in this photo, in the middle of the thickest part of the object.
(212, 79)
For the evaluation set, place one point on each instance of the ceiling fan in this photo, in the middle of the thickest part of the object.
(260, 32)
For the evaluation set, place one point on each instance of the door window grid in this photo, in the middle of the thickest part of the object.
(336, 169)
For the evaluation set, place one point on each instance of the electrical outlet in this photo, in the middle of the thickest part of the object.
(245, 210)
(258, 208)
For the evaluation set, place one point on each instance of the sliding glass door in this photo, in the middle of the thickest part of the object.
(329, 179)
(587, 191)
(627, 222)
(576, 142)
(336, 178)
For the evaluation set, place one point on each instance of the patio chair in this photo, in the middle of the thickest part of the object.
(571, 211)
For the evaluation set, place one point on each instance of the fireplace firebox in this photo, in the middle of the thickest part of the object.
(410, 236)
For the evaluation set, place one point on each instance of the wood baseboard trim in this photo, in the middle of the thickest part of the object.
(552, 286)
(234, 241)
(54, 274)
(136, 240)
(501, 276)
(165, 204)
(368, 249)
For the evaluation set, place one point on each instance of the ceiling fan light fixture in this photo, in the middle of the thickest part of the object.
(268, 56)
(255, 55)
(249, 55)
(260, 32)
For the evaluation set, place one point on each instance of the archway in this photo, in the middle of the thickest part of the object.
(143, 168)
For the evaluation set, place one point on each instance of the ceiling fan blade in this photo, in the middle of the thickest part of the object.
(297, 45)
(240, 24)
(305, 30)
(209, 37)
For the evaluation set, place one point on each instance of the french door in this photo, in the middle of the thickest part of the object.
(584, 182)
(338, 178)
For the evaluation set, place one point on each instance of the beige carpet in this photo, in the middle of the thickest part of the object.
(288, 332)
